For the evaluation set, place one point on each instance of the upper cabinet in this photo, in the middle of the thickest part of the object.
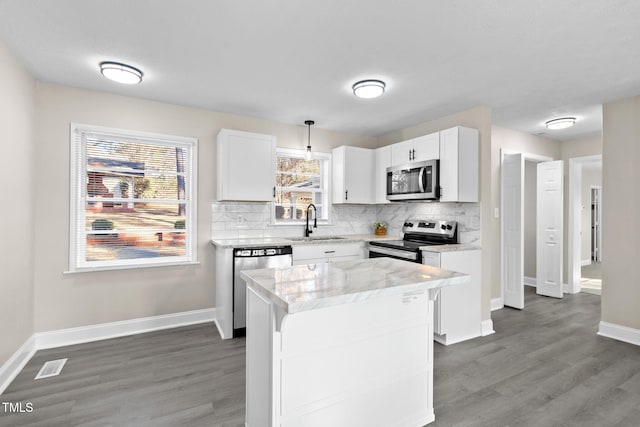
(246, 165)
(352, 174)
(382, 162)
(424, 147)
(459, 165)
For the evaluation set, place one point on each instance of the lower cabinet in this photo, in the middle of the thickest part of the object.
(319, 253)
(457, 314)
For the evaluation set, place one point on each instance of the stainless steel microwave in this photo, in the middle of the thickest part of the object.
(414, 181)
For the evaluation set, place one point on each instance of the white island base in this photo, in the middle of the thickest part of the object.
(363, 364)
(368, 362)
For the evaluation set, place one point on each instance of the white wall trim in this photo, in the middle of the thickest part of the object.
(496, 304)
(620, 333)
(530, 281)
(487, 327)
(585, 262)
(102, 331)
(16, 363)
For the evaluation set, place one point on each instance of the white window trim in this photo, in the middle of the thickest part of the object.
(314, 155)
(78, 172)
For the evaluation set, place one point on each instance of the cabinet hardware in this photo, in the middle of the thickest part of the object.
(413, 154)
(329, 252)
(274, 191)
(346, 195)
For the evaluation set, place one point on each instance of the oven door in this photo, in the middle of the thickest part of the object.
(415, 181)
(379, 251)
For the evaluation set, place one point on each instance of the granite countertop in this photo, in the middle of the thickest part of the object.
(451, 248)
(304, 287)
(289, 241)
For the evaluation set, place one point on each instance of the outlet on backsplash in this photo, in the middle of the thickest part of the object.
(240, 220)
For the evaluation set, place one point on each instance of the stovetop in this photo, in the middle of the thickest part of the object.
(423, 232)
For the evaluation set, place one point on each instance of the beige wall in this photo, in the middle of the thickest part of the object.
(621, 205)
(17, 119)
(518, 142)
(477, 118)
(72, 300)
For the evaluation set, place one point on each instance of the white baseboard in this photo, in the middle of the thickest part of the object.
(585, 262)
(102, 331)
(496, 304)
(620, 333)
(14, 365)
(487, 327)
(530, 281)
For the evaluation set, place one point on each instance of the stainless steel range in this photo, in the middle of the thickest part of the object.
(417, 233)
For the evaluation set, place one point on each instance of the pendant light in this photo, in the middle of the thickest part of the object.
(309, 123)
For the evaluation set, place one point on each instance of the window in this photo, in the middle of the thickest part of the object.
(300, 182)
(132, 199)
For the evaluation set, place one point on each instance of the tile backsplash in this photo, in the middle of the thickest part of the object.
(230, 220)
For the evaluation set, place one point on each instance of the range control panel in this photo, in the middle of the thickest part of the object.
(430, 227)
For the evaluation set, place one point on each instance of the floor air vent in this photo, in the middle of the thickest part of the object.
(51, 369)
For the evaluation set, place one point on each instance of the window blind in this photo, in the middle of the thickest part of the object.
(134, 199)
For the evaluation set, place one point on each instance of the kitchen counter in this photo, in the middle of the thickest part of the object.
(451, 248)
(250, 242)
(303, 288)
(342, 344)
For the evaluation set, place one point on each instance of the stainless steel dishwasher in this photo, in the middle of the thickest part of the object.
(252, 259)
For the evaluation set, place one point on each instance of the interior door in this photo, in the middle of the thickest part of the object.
(512, 180)
(549, 229)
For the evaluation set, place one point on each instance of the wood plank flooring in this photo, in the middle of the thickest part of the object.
(544, 367)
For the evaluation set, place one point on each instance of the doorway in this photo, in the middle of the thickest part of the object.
(584, 223)
(545, 228)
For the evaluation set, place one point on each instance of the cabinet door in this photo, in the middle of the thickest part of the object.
(449, 165)
(459, 165)
(426, 147)
(353, 175)
(383, 161)
(246, 166)
(401, 152)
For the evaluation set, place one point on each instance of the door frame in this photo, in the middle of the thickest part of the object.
(574, 261)
(537, 158)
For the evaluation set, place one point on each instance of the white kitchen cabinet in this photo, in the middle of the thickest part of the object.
(352, 173)
(459, 165)
(246, 164)
(382, 162)
(319, 253)
(426, 147)
(457, 315)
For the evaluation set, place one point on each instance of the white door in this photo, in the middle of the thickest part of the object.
(512, 179)
(549, 229)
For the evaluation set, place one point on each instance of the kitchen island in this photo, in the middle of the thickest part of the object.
(342, 344)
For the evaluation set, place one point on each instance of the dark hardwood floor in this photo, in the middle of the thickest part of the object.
(545, 366)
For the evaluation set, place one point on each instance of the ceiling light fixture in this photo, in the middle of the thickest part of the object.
(121, 73)
(561, 123)
(368, 88)
(309, 123)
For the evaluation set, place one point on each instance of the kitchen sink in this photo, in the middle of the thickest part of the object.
(314, 238)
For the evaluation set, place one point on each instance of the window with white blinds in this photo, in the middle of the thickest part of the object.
(300, 182)
(133, 199)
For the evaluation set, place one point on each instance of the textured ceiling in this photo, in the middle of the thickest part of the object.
(292, 60)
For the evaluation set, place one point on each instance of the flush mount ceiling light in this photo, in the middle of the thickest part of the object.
(561, 123)
(368, 88)
(121, 73)
(309, 123)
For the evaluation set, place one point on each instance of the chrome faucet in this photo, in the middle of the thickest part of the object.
(307, 230)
